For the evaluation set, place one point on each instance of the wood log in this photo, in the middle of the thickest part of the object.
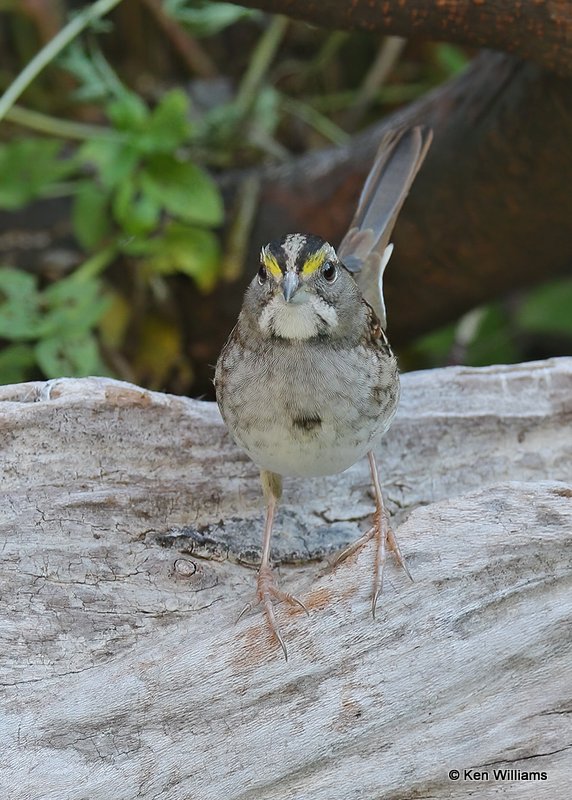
(537, 30)
(130, 523)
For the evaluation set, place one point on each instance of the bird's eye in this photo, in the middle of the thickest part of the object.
(262, 275)
(329, 271)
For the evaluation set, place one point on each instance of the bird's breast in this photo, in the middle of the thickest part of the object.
(304, 411)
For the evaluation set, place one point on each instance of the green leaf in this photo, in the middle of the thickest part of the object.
(74, 59)
(548, 308)
(61, 317)
(115, 161)
(192, 251)
(451, 59)
(138, 246)
(494, 341)
(266, 111)
(69, 357)
(19, 305)
(128, 113)
(436, 346)
(183, 189)
(114, 324)
(159, 131)
(136, 212)
(93, 79)
(72, 308)
(169, 125)
(91, 215)
(16, 361)
(28, 168)
(205, 19)
(15, 283)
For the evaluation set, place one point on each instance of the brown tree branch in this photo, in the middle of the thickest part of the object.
(537, 30)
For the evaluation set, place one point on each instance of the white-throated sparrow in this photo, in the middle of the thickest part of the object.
(307, 381)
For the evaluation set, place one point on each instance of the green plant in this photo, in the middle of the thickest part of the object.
(501, 332)
(30, 168)
(206, 18)
(135, 192)
(145, 196)
(136, 189)
(52, 329)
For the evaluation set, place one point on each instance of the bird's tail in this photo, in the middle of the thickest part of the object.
(365, 249)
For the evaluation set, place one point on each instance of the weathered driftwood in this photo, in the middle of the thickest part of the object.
(124, 674)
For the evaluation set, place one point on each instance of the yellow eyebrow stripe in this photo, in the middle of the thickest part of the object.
(270, 263)
(315, 261)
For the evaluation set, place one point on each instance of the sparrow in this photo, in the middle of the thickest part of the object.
(307, 382)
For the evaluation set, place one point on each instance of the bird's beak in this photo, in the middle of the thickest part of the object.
(290, 283)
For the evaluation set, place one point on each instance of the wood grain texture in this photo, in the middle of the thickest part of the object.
(124, 675)
(538, 30)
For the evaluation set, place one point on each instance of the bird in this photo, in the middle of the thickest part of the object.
(307, 382)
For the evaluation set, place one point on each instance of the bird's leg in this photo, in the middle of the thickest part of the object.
(382, 534)
(267, 591)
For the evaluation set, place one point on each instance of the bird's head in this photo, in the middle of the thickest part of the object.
(302, 290)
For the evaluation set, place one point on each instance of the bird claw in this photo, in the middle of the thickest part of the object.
(266, 594)
(247, 607)
(385, 538)
(399, 557)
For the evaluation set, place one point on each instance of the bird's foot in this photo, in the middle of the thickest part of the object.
(385, 539)
(267, 593)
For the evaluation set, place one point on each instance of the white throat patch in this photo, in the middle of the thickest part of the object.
(293, 320)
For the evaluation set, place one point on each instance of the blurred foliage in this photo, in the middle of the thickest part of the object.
(139, 178)
(52, 328)
(129, 123)
(524, 326)
(206, 18)
(28, 168)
